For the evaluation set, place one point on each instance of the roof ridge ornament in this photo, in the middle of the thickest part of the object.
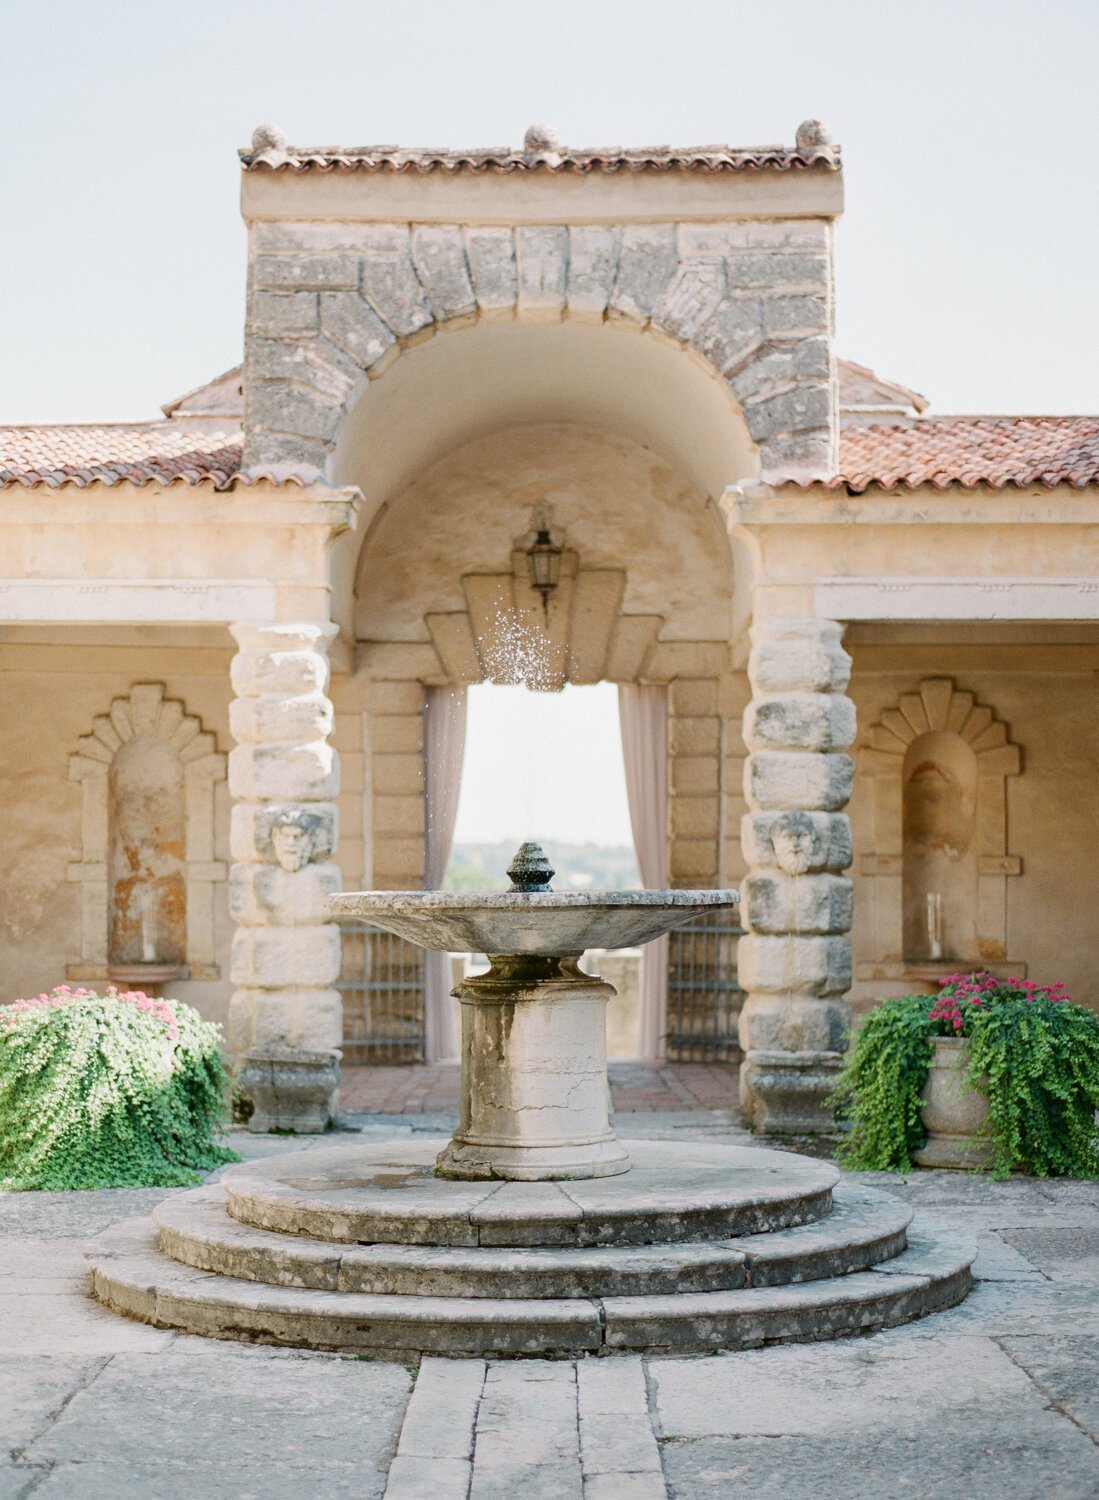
(269, 145)
(813, 135)
(542, 144)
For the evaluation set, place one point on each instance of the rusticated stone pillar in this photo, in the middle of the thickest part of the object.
(795, 961)
(284, 777)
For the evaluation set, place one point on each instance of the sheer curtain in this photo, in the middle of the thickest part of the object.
(643, 713)
(444, 748)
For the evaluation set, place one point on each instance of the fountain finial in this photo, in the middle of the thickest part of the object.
(530, 869)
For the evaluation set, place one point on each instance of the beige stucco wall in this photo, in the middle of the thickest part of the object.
(51, 693)
(620, 505)
(1046, 691)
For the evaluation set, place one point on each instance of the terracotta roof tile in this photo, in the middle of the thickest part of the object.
(162, 452)
(503, 159)
(936, 451)
(970, 451)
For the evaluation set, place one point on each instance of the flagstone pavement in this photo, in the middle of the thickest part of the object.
(996, 1398)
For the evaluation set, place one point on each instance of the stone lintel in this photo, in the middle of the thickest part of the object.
(540, 198)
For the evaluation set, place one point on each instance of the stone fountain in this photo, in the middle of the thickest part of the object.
(534, 1036)
(534, 1230)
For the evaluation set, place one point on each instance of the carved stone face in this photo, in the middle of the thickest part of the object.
(294, 839)
(796, 842)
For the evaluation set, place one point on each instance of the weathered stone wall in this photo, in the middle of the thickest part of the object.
(395, 760)
(332, 304)
(1047, 697)
(284, 777)
(53, 693)
(795, 961)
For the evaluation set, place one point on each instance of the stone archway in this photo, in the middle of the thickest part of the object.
(334, 304)
(646, 595)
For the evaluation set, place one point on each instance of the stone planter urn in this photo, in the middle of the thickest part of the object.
(952, 1112)
(290, 1089)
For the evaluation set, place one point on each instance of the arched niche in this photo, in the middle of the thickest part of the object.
(939, 858)
(938, 763)
(147, 871)
(147, 881)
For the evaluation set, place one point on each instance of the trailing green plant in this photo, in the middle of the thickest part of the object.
(879, 1089)
(112, 1090)
(1031, 1051)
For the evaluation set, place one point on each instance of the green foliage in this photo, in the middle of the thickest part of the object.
(1041, 1062)
(879, 1090)
(100, 1091)
(1030, 1050)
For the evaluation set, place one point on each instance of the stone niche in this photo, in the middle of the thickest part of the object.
(939, 858)
(147, 883)
(938, 763)
(147, 872)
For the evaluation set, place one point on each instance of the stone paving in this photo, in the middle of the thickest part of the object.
(995, 1398)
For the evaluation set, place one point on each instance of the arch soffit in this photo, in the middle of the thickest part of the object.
(147, 712)
(450, 586)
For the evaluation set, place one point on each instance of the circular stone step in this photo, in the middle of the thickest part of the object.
(132, 1277)
(864, 1228)
(386, 1192)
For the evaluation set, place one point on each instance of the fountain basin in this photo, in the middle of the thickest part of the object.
(534, 924)
(534, 1028)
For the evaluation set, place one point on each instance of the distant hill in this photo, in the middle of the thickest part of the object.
(597, 867)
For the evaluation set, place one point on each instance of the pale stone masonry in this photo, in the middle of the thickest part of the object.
(795, 962)
(332, 303)
(283, 773)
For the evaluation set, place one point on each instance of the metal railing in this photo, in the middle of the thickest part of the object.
(382, 984)
(704, 995)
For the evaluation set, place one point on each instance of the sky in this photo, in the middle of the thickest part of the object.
(562, 777)
(966, 258)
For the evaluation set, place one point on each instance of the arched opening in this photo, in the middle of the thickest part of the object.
(940, 849)
(568, 791)
(148, 888)
(624, 443)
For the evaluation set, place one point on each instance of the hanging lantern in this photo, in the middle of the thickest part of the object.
(544, 558)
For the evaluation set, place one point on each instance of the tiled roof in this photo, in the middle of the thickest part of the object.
(221, 397)
(165, 452)
(504, 159)
(970, 451)
(937, 451)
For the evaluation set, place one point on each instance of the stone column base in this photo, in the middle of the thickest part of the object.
(291, 1090)
(534, 1076)
(786, 1093)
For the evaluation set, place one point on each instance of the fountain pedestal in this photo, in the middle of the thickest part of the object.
(535, 1096)
(534, 1075)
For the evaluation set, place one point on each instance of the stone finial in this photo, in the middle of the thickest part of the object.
(542, 143)
(269, 145)
(530, 870)
(813, 135)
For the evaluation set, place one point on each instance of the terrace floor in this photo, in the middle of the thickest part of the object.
(997, 1399)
